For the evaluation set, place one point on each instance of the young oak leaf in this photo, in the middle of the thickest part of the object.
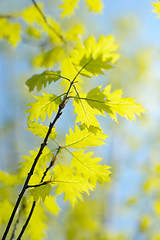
(46, 104)
(156, 8)
(112, 103)
(49, 58)
(88, 167)
(51, 205)
(95, 5)
(85, 113)
(8, 179)
(91, 58)
(68, 7)
(31, 15)
(41, 80)
(41, 130)
(73, 186)
(6, 208)
(10, 31)
(37, 224)
(40, 192)
(82, 139)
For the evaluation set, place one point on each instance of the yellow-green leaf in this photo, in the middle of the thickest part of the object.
(40, 192)
(8, 179)
(41, 130)
(95, 5)
(45, 105)
(37, 224)
(91, 58)
(86, 165)
(48, 59)
(31, 15)
(156, 7)
(68, 7)
(85, 113)
(5, 211)
(51, 205)
(82, 139)
(112, 103)
(41, 80)
(70, 184)
(10, 31)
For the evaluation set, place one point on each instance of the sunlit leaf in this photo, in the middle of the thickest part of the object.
(5, 211)
(156, 7)
(45, 105)
(70, 184)
(85, 113)
(31, 15)
(91, 58)
(37, 226)
(95, 5)
(10, 31)
(51, 205)
(86, 165)
(68, 7)
(113, 103)
(82, 139)
(48, 59)
(8, 179)
(40, 192)
(41, 130)
(40, 80)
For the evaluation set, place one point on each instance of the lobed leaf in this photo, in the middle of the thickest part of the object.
(49, 58)
(41, 130)
(70, 184)
(112, 103)
(45, 105)
(156, 8)
(95, 5)
(91, 58)
(31, 15)
(85, 113)
(10, 31)
(87, 166)
(68, 7)
(8, 179)
(51, 205)
(37, 224)
(82, 139)
(40, 192)
(41, 80)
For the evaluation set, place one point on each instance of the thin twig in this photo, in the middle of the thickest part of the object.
(45, 20)
(25, 186)
(34, 203)
(7, 16)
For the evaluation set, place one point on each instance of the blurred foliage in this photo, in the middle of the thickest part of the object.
(99, 217)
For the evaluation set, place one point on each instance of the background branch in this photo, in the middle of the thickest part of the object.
(45, 20)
